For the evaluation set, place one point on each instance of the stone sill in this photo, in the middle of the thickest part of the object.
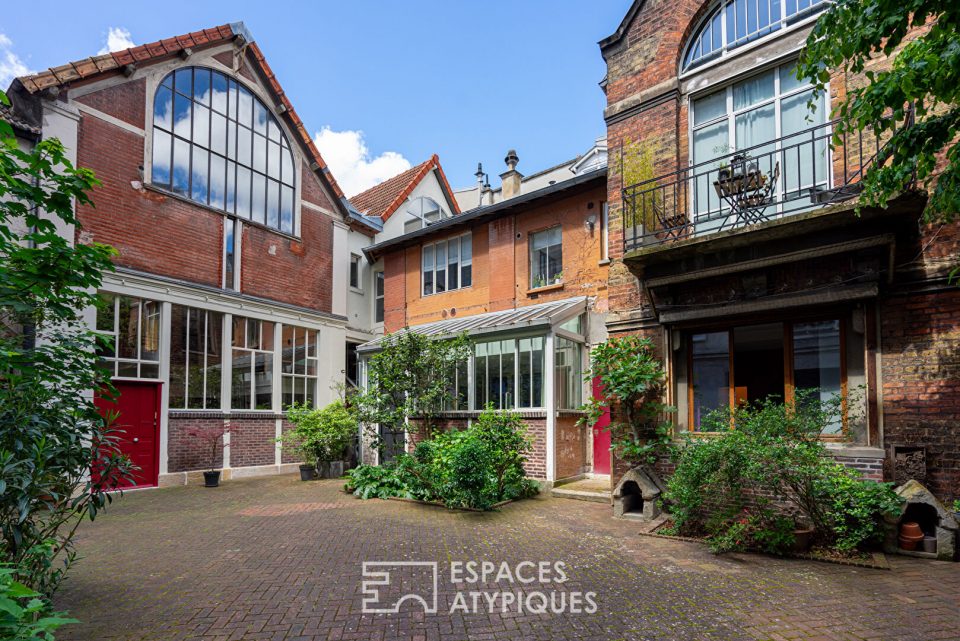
(556, 287)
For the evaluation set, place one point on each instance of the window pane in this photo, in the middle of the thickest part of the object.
(129, 312)
(184, 81)
(214, 358)
(181, 116)
(709, 107)
(466, 248)
(263, 376)
(231, 187)
(288, 337)
(198, 188)
(150, 331)
(229, 253)
(245, 111)
(181, 167)
(201, 86)
(259, 118)
(453, 264)
(244, 146)
(273, 160)
(196, 325)
(286, 209)
(753, 90)
(480, 376)
(524, 372)
(201, 126)
(218, 134)
(243, 192)
(219, 96)
(217, 180)
(178, 356)
(441, 277)
(105, 312)
(273, 131)
(536, 358)
(427, 269)
(756, 127)
(711, 374)
(273, 204)
(163, 108)
(258, 200)
(567, 377)
(240, 394)
(286, 169)
(160, 174)
(816, 363)
(466, 275)
(507, 373)
(259, 153)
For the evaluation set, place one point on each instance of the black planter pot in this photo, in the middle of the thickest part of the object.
(211, 478)
(308, 472)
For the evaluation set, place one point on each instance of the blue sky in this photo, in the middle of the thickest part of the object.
(465, 80)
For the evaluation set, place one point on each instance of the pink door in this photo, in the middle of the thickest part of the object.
(601, 437)
(137, 427)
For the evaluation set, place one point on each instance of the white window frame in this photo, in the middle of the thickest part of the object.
(415, 211)
(378, 297)
(186, 344)
(295, 376)
(274, 371)
(356, 260)
(531, 262)
(461, 240)
(113, 362)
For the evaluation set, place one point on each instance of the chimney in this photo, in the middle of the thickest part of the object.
(510, 179)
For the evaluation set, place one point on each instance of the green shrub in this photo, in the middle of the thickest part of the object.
(473, 468)
(25, 614)
(322, 434)
(735, 487)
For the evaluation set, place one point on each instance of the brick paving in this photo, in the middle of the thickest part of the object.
(277, 559)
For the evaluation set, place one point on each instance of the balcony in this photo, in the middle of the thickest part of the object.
(795, 174)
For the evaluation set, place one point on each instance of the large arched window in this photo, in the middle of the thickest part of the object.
(216, 143)
(734, 23)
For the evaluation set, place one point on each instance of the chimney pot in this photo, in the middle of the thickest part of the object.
(511, 179)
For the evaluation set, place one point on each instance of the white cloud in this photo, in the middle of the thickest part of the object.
(118, 39)
(11, 65)
(351, 163)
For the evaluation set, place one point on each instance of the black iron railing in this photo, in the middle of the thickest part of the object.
(782, 177)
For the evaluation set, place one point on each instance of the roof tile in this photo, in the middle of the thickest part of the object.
(384, 199)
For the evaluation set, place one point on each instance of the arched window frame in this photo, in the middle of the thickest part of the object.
(259, 185)
(748, 21)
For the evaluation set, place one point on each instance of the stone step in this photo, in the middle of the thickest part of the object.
(580, 495)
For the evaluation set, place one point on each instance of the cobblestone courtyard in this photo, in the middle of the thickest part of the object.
(279, 559)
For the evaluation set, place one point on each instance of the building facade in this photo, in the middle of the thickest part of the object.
(525, 278)
(229, 298)
(736, 246)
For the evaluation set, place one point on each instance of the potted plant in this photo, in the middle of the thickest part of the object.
(321, 436)
(212, 437)
(802, 537)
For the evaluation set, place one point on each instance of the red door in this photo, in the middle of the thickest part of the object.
(601, 437)
(137, 427)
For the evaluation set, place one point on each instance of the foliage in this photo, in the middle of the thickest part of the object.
(637, 169)
(473, 468)
(25, 614)
(50, 430)
(323, 434)
(632, 384)
(409, 377)
(850, 36)
(211, 436)
(739, 484)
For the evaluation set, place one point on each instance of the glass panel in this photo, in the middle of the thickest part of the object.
(758, 363)
(288, 337)
(709, 107)
(160, 174)
(231, 187)
(804, 157)
(181, 167)
(201, 86)
(378, 297)
(536, 358)
(184, 81)
(219, 97)
(217, 180)
(150, 331)
(240, 388)
(201, 125)
(214, 357)
(259, 153)
(198, 188)
(453, 264)
(229, 251)
(231, 140)
(567, 377)
(218, 134)
(263, 377)
(507, 373)
(273, 160)
(258, 199)
(243, 192)
(753, 90)
(195, 357)
(244, 146)
(259, 118)
(441, 277)
(816, 363)
(253, 334)
(428, 266)
(181, 115)
(163, 108)
(524, 372)
(128, 369)
(105, 312)
(178, 356)
(480, 376)
(466, 275)
(245, 112)
(286, 209)
(756, 127)
(273, 204)
(232, 99)
(129, 312)
(239, 332)
(710, 375)
(788, 79)
(273, 131)
(286, 168)
(149, 370)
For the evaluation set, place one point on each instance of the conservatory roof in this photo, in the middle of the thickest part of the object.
(542, 315)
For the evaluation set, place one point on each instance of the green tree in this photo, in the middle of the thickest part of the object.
(925, 73)
(410, 377)
(632, 385)
(50, 431)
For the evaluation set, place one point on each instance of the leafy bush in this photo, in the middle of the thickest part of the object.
(736, 486)
(322, 434)
(25, 614)
(632, 384)
(473, 468)
(50, 430)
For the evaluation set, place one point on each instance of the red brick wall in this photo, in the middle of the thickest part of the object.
(920, 341)
(173, 237)
(186, 453)
(252, 441)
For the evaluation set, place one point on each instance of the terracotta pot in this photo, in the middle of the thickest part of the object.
(911, 529)
(908, 544)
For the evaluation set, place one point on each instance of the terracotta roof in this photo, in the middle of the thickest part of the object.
(162, 49)
(9, 116)
(384, 199)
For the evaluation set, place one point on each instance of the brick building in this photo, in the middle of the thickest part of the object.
(734, 241)
(526, 277)
(229, 296)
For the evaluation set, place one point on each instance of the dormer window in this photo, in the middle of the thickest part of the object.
(217, 144)
(734, 23)
(422, 212)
